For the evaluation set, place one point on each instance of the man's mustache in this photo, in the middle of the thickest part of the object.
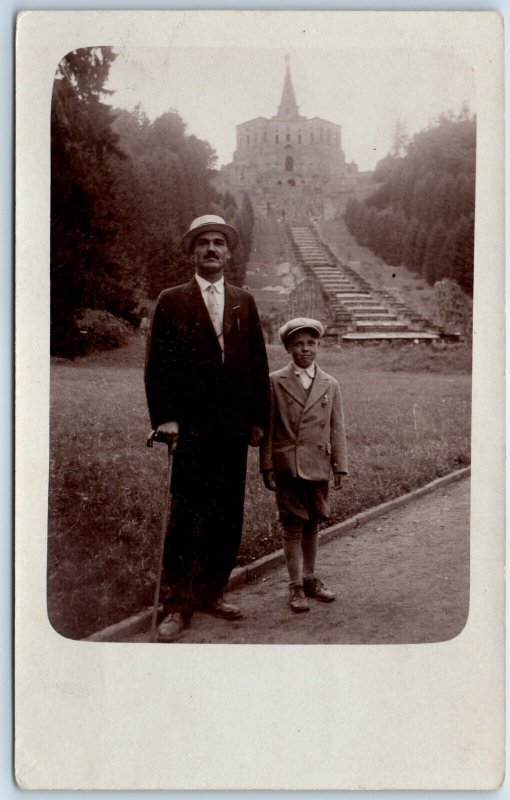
(210, 254)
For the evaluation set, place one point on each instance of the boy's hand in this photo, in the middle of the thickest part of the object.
(269, 481)
(337, 480)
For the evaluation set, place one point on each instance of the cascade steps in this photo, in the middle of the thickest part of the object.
(358, 308)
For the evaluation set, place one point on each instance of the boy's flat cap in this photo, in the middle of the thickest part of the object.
(299, 324)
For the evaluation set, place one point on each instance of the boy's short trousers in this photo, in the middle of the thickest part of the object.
(300, 499)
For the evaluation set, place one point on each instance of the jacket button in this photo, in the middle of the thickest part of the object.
(323, 424)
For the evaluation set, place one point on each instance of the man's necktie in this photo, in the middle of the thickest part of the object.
(214, 309)
(214, 312)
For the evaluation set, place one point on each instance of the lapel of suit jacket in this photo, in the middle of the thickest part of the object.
(289, 381)
(231, 309)
(199, 308)
(319, 386)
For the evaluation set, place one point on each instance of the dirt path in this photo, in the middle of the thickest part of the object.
(401, 578)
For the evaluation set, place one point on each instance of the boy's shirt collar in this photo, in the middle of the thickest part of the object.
(310, 371)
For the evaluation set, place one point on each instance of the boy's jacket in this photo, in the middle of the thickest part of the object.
(306, 435)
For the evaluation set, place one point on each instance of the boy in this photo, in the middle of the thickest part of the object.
(305, 443)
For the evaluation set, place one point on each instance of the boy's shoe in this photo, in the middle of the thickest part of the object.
(297, 599)
(313, 587)
(171, 627)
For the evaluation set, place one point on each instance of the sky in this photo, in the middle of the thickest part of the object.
(364, 91)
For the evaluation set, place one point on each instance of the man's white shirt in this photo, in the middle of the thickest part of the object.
(219, 288)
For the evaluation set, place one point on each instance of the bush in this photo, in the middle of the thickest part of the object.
(101, 330)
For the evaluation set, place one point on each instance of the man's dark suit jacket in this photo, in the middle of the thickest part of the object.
(215, 404)
(186, 380)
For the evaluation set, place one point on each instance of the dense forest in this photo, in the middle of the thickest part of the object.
(123, 191)
(421, 214)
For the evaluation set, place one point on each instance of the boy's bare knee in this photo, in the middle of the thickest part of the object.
(310, 528)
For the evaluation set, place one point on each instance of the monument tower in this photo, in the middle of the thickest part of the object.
(293, 167)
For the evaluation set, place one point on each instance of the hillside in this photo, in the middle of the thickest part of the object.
(270, 276)
(413, 289)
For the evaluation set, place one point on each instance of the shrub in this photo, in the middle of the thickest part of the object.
(101, 330)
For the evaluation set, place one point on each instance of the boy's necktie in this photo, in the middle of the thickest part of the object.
(305, 378)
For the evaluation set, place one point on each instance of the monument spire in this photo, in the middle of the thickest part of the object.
(288, 108)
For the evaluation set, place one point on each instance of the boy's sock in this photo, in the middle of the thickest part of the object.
(293, 559)
(309, 545)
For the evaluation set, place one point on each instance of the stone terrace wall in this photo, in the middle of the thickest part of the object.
(308, 300)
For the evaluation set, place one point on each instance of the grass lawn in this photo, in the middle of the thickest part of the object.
(408, 421)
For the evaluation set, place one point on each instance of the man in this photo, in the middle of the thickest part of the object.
(206, 378)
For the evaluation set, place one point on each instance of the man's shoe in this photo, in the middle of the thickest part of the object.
(219, 608)
(171, 627)
(315, 588)
(297, 600)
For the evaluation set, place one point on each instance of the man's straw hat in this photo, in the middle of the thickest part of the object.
(209, 222)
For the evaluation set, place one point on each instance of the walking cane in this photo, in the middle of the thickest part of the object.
(153, 437)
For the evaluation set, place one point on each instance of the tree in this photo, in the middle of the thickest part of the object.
(459, 253)
(396, 224)
(409, 243)
(420, 248)
(424, 189)
(384, 169)
(443, 205)
(454, 307)
(423, 197)
(400, 138)
(243, 219)
(433, 268)
(124, 190)
(168, 176)
(83, 148)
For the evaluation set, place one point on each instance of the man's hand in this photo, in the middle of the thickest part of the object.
(269, 481)
(256, 436)
(168, 432)
(337, 480)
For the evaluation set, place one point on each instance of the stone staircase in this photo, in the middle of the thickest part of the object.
(359, 311)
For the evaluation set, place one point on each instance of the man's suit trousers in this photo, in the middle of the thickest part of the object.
(205, 525)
